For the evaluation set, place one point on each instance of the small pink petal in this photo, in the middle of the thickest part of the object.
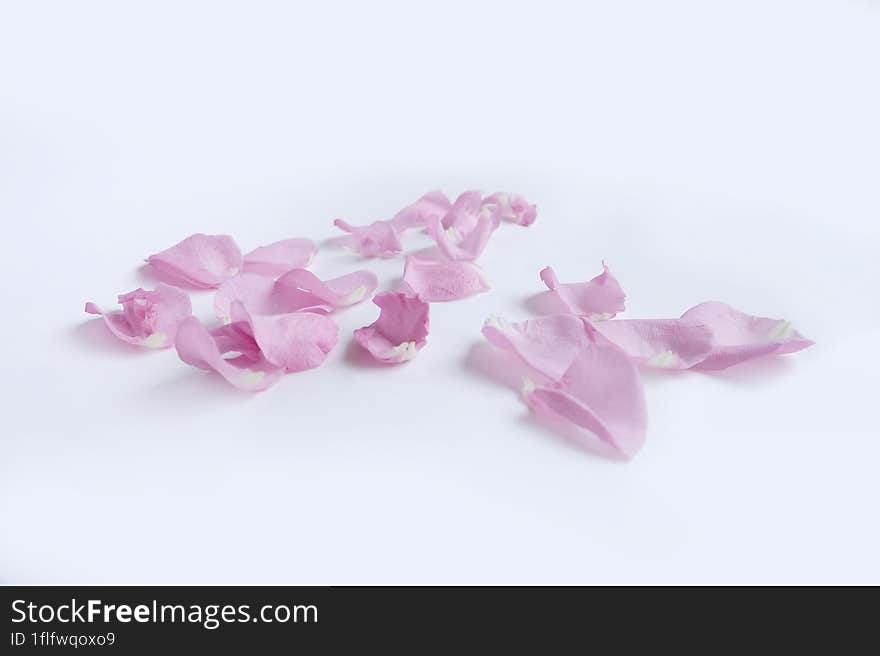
(147, 318)
(512, 207)
(296, 290)
(244, 365)
(202, 261)
(417, 215)
(447, 280)
(601, 392)
(662, 343)
(295, 342)
(379, 239)
(599, 298)
(280, 257)
(738, 336)
(464, 231)
(401, 329)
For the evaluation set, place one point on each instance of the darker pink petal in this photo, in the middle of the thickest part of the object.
(443, 280)
(599, 298)
(202, 261)
(280, 257)
(512, 207)
(401, 329)
(229, 350)
(296, 290)
(147, 318)
(738, 336)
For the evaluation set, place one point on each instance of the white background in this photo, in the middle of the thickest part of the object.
(723, 151)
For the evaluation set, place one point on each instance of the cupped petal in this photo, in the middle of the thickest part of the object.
(457, 245)
(661, 343)
(512, 207)
(294, 291)
(147, 318)
(378, 239)
(443, 280)
(280, 257)
(230, 350)
(738, 336)
(401, 329)
(599, 298)
(295, 342)
(549, 345)
(601, 392)
(201, 261)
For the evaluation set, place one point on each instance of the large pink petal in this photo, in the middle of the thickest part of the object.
(601, 392)
(147, 318)
(662, 343)
(738, 336)
(295, 342)
(378, 239)
(446, 280)
(549, 345)
(512, 207)
(245, 367)
(296, 290)
(202, 261)
(401, 329)
(599, 298)
(282, 256)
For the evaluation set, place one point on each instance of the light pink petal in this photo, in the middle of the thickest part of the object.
(295, 342)
(464, 231)
(549, 345)
(662, 343)
(379, 239)
(202, 261)
(243, 365)
(446, 280)
(601, 392)
(401, 329)
(432, 204)
(147, 318)
(296, 290)
(738, 336)
(282, 256)
(465, 212)
(512, 207)
(599, 298)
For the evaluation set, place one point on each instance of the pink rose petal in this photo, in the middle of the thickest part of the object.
(201, 261)
(738, 336)
(379, 239)
(599, 298)
(446, 280)
(296, 290)
(401, 329)
(229, 350)
(147, 318)
(512, 207)
(280, 257)
(464, 231)
(295, 342)
(661, 343)
(417, 215)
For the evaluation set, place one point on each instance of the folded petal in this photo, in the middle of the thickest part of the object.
(280, 257)
(661, 343)
(457, 245)
(147, 318)
(294, 342)
(443, 280)
(512, 207)
(432, 204)
(201, 261)
(296, 290)
(379, 239)
(229, 350)
(599, 298)
(549, 345)
(401, 329)
(738, 336)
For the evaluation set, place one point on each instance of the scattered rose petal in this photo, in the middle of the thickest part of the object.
(512, 207)
(599, 298)
(202, 261)
(280, 257)
(417, 215)
(443, 280)
(738, 336)
(401, 329)
(661, 343)
(229, 350)
(379, 239)
(296, 290)
(147, 318)
(464, 231)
